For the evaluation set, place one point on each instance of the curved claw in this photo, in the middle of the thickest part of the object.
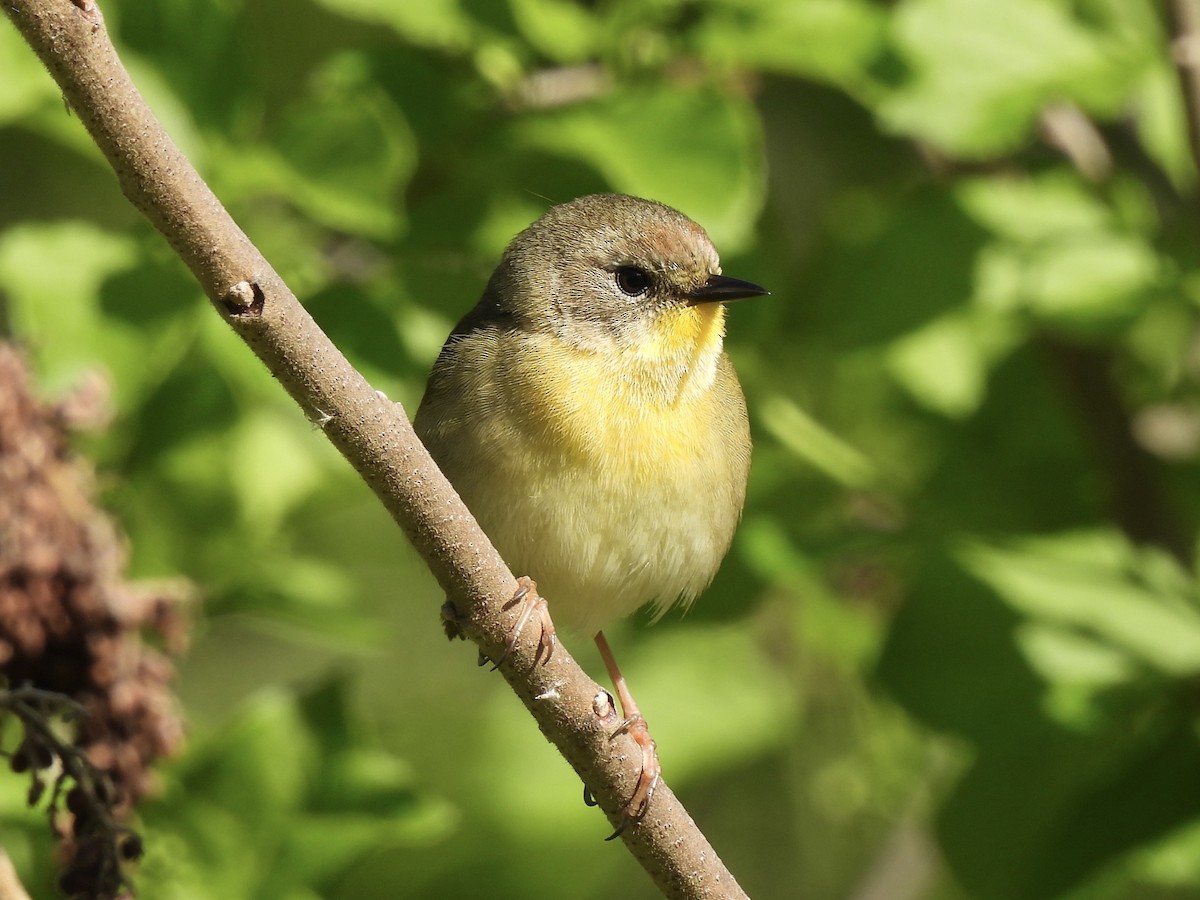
(530, 601)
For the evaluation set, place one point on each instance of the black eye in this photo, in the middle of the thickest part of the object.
(632, 280)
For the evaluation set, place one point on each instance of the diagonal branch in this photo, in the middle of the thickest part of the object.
(372, 433)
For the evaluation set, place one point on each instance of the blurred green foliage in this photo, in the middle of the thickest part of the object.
(955, 650)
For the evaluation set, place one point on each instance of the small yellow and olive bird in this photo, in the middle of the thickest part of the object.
(587, 414)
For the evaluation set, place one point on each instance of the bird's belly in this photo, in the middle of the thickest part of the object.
(608, 524)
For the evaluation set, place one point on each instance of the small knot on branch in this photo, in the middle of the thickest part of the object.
(244, 299)
(90, 11)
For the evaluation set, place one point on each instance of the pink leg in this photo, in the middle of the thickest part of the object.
(635, 725)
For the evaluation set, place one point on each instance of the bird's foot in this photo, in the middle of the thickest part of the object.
(530, 603)
(635, 810)
(635, 726)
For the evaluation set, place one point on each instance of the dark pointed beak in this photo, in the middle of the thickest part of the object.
(722, 289)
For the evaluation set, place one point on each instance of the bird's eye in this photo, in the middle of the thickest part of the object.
(632, 280)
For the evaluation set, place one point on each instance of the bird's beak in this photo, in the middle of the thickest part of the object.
(722, 289)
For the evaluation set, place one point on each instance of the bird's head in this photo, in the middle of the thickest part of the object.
(610, 272)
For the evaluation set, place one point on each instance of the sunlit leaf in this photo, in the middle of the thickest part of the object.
(562, 30)
(942, 365)
(830, 39)
(981, 72)
(1090, 582)
(439, 22)
(697, 150)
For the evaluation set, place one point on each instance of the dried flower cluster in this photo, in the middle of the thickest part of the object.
(70, 625)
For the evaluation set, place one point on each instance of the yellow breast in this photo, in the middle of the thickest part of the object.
(613, 478)
(636, 410)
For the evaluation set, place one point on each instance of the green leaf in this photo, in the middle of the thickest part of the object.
(1162, 125)
(1089, 582)
(981, 72)
(435, 23)
(834, 40)
(55, 304)
(349, 152)
(942, 365)
(1063, 255)
(1031, 209)
(562, 30)
(951, 660)
(362, 329)
(919, 266)
(1043, 656)
(698, 150)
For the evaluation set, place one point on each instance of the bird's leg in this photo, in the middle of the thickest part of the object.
(635, 726)
(531, 602)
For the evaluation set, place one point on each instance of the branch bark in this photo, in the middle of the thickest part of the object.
(372, 433)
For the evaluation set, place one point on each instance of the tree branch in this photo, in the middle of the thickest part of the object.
(1184, 16)
(1139, 506)
(10, 885)
(372, 433)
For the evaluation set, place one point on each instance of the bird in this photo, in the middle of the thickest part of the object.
(587, 414)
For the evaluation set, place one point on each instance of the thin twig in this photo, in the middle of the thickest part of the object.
(1067, 128)
(1185, 50)
(373, 434)
(100, 842)
(1139, 505)
(10, 885)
